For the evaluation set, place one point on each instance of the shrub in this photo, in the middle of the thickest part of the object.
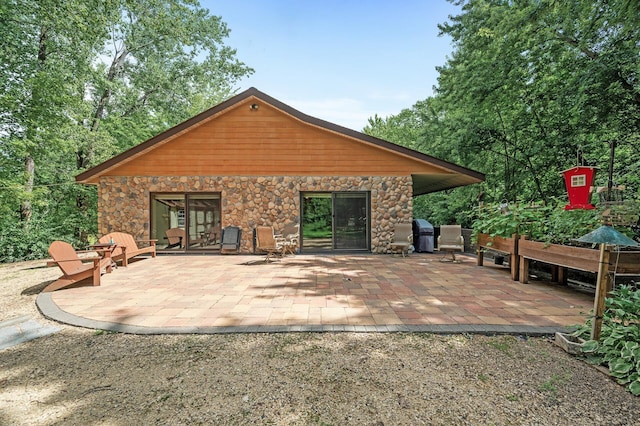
(619, 345)
(30, 242)
(547, 222)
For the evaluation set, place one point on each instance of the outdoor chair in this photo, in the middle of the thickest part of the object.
(210, 236)
(72, 266)
(450, 240)
(127, 247)
(289, 237)
(402, 238)
(266, 242)
(230, 239)
(176, 237)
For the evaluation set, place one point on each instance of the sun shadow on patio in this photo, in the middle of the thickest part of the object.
(328, 292)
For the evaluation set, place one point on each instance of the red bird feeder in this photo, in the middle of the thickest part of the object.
(579, 183)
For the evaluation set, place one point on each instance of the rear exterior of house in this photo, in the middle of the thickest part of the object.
(253, 161)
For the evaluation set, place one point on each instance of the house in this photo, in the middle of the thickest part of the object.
(253, 160)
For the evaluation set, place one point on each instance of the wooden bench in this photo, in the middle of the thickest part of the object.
(127, 247)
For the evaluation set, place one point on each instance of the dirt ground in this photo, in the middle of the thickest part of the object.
(80, 377)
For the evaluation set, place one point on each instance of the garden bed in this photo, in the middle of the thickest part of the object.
(508, 246)
(563, 257)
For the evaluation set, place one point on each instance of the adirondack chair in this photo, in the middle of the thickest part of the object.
(450, 240)
(72, 266)
(266, 242)
(176, 237)
(127, 247)
(402, 238)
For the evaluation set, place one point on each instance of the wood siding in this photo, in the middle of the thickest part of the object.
(267, 141)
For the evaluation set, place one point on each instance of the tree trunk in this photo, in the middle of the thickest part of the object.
(25, 205)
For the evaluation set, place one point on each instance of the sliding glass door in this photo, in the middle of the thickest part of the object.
(351, 217)
(335, 221)
(184, 222)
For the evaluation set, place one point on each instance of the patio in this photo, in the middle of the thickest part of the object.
(346, 292)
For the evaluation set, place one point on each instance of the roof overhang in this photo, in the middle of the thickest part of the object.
(425, 184)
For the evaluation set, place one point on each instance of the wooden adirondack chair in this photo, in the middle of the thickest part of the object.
(127, 247)
(177, 237)
(73, 268)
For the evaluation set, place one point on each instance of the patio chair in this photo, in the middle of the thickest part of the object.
(266, 242)
(402, 238)
(176, 237)
(72, 266)
(210, 236)
(230, 239)
(127, 247)
(450, 240)
(289, 238)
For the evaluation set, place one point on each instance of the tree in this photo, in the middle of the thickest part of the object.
(83, 80)
(530, 85)
(535, 81)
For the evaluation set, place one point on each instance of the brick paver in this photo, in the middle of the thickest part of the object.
(316, 292)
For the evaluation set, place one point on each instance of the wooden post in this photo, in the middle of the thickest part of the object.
(514, 262)
(562, 275)
(601, 292)
(524, 270)
(524, 267)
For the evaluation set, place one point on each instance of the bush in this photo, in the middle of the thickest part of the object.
(619, 345)
(547, 222)
(18, 242)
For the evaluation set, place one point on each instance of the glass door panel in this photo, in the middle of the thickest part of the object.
(335, 221)
(317, 222)
(186, 221)
(168, 221)
(351, 221)
(204, 221)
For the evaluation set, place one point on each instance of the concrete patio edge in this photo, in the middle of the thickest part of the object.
(50, 310)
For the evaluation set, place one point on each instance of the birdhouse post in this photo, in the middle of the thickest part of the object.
(579, 183)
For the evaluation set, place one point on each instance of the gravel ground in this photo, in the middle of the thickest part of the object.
(80, 377)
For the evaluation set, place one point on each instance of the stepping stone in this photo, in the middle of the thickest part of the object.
(22, 329)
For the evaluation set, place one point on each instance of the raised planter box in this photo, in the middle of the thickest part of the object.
(580, 258)
(508, 246)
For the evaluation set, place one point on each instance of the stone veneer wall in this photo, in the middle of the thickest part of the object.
(124, 203)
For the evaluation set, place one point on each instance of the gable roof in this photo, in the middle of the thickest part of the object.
(451, 175)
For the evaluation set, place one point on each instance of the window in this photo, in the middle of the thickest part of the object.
(578, 180)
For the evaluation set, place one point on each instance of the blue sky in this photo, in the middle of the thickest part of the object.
(341, 61)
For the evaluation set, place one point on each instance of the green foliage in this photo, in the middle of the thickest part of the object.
(619, 345)
(81, 81)
(548, 222)
(26, 243)
(529, 84)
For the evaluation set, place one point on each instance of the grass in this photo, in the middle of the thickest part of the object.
(504, 344)
(550, 385)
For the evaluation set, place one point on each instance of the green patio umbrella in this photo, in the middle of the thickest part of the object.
(605, 235)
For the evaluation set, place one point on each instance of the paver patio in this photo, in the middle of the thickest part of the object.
(209, 294)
